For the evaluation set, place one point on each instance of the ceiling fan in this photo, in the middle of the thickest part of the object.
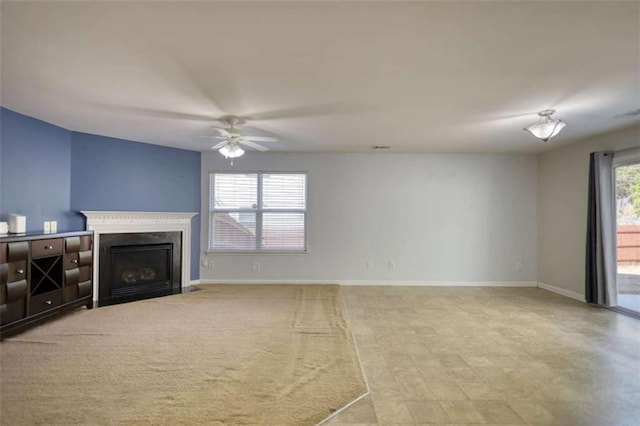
(232, 137)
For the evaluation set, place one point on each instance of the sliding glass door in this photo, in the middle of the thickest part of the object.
(627, 181)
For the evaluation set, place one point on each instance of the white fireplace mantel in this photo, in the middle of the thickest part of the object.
(115, 222)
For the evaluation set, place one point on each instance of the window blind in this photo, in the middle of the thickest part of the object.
(257, 211)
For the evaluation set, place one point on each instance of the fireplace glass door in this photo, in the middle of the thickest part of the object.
(135, 266)
(140, 267)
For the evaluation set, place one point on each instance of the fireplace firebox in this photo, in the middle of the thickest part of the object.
(135, 266)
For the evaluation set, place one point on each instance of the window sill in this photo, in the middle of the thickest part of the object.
(255, 252)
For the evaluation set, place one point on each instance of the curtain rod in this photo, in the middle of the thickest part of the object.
(625, 151)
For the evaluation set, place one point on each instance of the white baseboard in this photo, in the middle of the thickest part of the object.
(271, 282)
(562, 291)
(194, 282)
(439, 283)
(382, 283)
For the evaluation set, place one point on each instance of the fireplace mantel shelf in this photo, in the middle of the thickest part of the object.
(119, 216)
(110, 222)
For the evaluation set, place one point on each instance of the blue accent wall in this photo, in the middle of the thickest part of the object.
(50, 173)
(35, 171)
(115, 174)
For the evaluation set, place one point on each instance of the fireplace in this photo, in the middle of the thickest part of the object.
(105, 223)
(136, 266)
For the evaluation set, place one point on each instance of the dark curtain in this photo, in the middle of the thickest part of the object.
(600, 276)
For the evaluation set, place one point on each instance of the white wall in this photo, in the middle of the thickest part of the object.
(440, 217)
(562, 208)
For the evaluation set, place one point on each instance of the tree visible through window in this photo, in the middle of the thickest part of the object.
(257, 211)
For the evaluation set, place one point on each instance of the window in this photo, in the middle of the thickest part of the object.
(627, 211)
(257, 211)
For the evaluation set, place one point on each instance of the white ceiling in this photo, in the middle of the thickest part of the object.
(325, 76)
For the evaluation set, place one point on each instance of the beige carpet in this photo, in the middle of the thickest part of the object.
(277, 355)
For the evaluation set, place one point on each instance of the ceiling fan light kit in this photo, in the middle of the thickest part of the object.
(231, 151)
(546, 127)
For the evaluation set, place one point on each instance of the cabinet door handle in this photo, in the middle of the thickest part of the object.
(20, 271)
(75, 261)
(48, 247)
(47, 302)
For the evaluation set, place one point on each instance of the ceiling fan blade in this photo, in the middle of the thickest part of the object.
(222, 131)
(260, 138)
(253, 145)
(257, 131)
(157, 113)
(219, 145)
(213, 137)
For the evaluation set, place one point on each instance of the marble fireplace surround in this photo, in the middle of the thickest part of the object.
(117, 222)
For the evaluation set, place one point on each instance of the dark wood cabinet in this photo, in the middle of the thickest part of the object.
(43, 275)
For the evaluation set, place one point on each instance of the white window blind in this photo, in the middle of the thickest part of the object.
(257, 211)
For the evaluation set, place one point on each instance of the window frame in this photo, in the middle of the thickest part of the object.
(259, 211)
(623, 158)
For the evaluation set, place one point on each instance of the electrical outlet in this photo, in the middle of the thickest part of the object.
(518, 265)
(211, 264)
(54, 226)
(256, 266)
(392, 265)
(369, 264)
(47, 227)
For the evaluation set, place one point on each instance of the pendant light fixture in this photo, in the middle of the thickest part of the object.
(546, 127)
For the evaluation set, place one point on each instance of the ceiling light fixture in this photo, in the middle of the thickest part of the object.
(546, 127)
(231, 150)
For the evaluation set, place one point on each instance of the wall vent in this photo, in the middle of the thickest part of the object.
(380, 147)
